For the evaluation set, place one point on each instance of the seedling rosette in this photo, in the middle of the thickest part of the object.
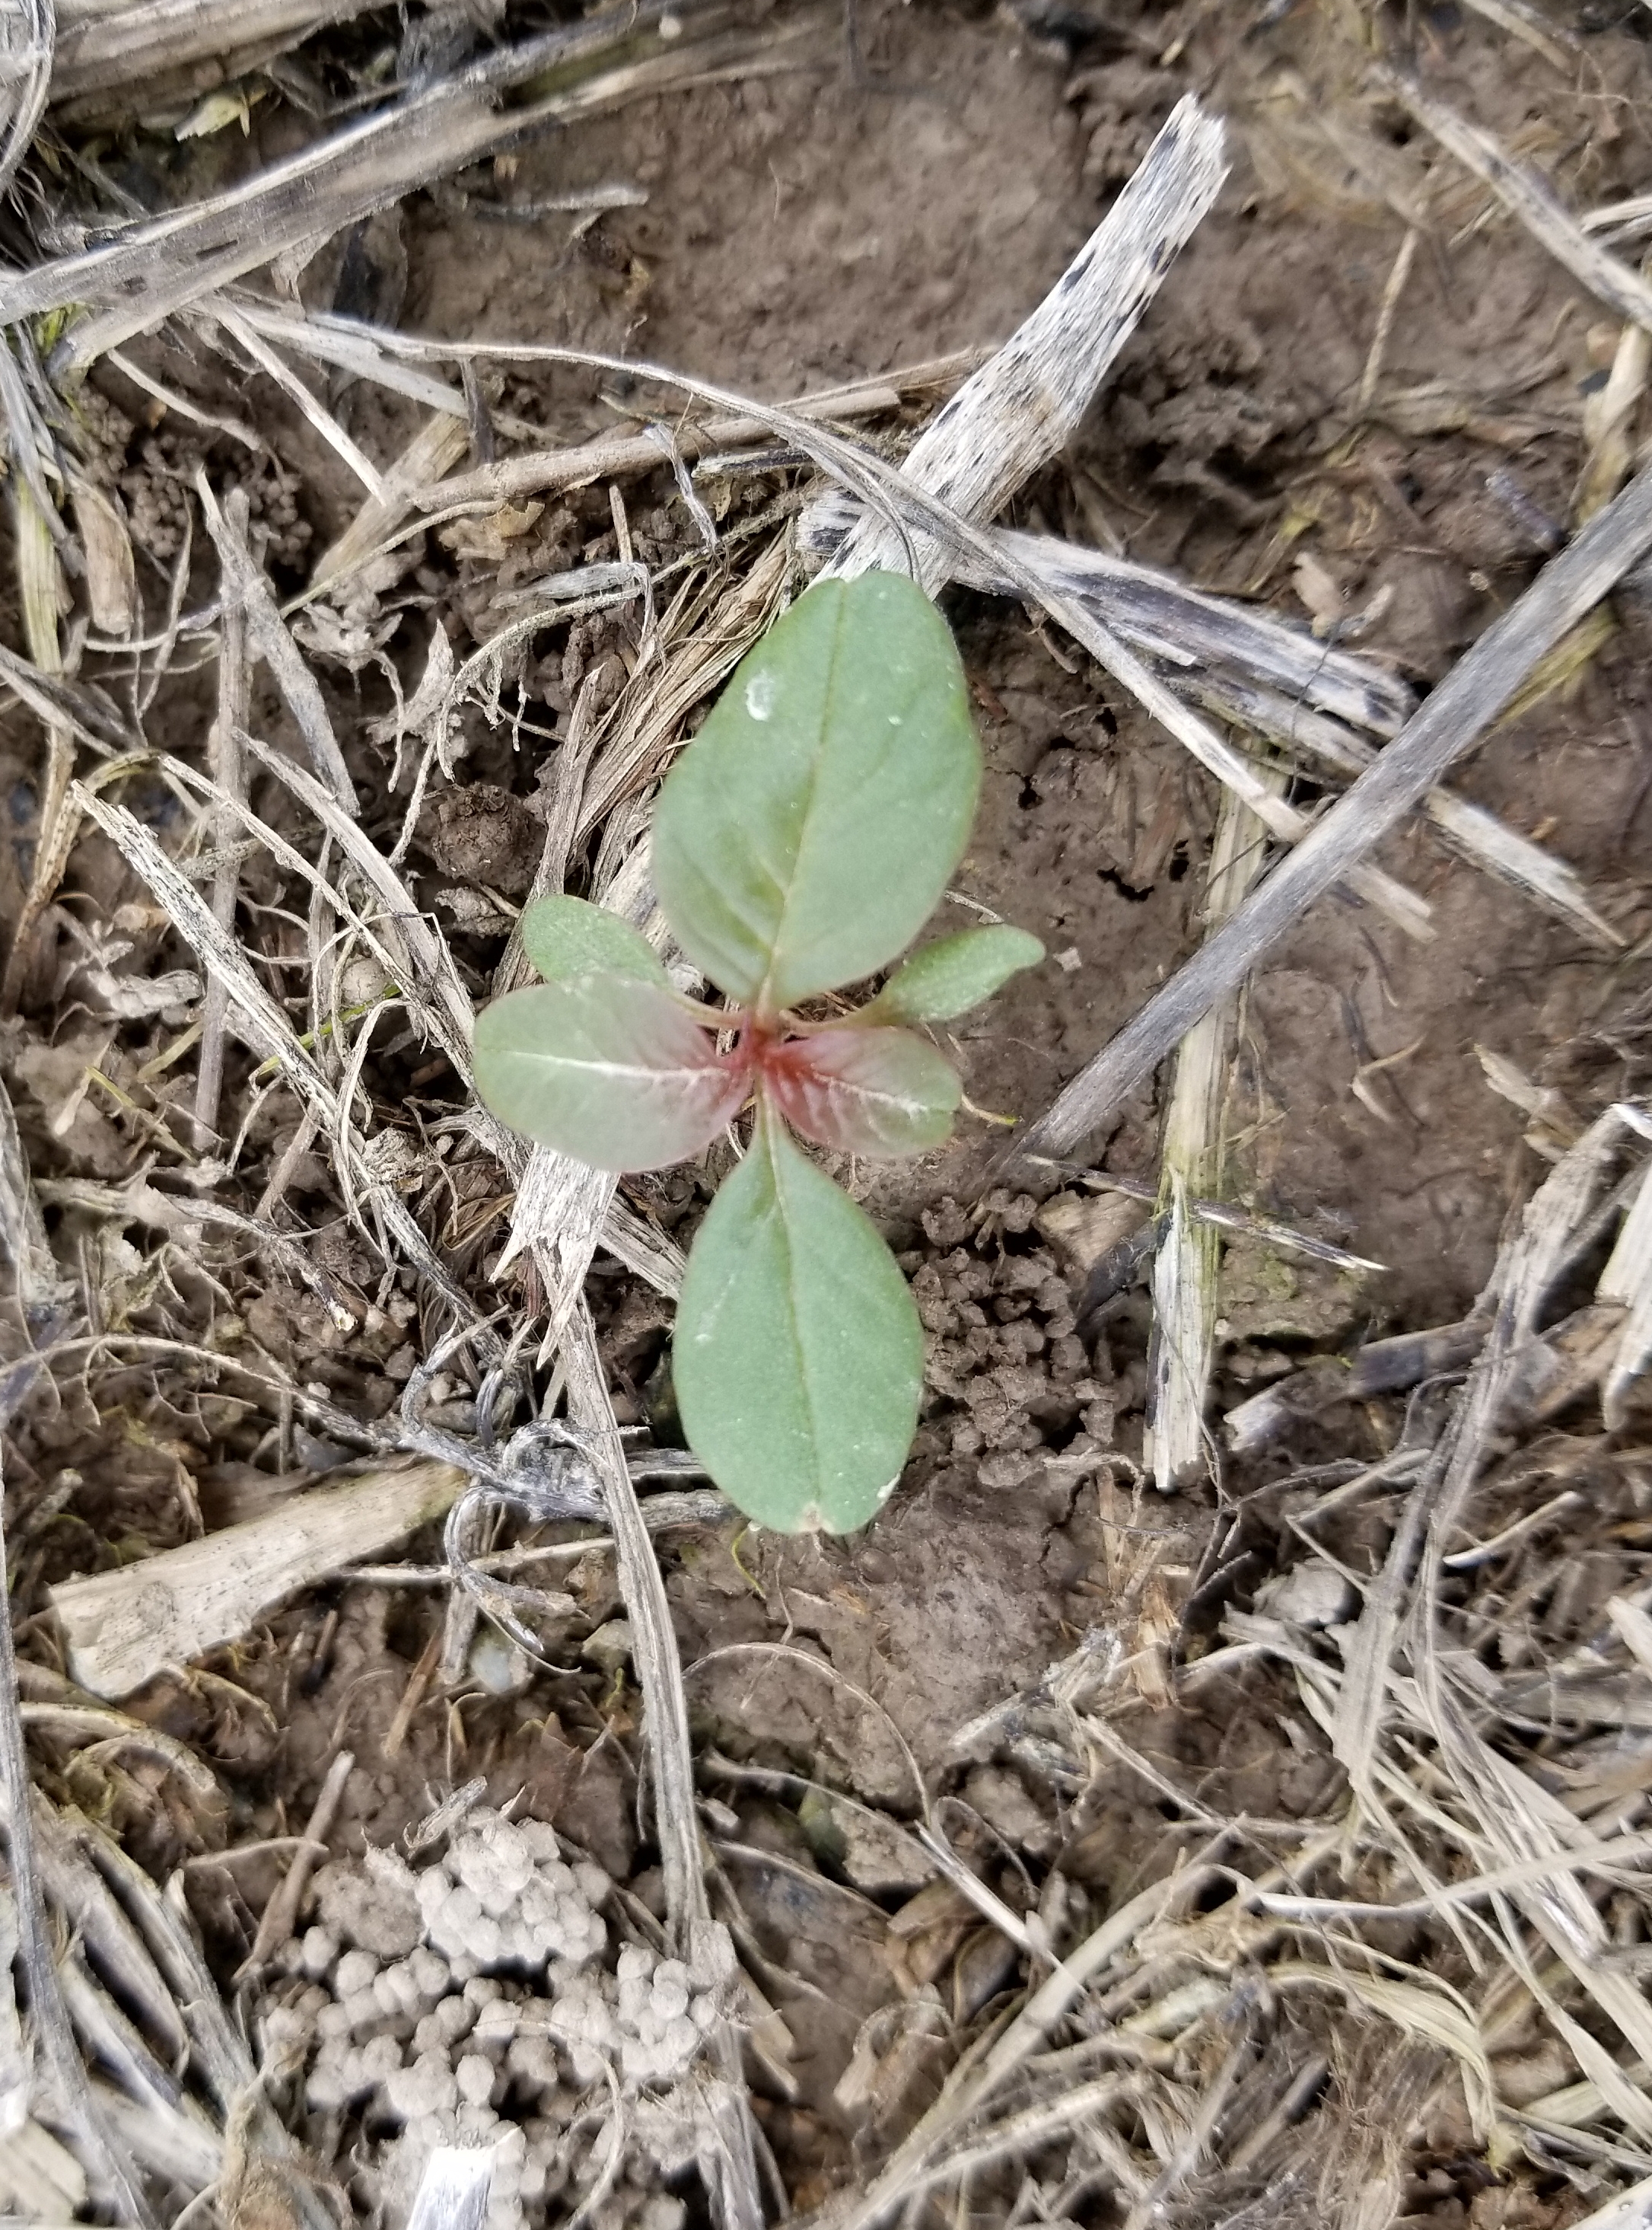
(800, 844)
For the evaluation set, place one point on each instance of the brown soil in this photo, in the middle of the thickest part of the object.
(798, 232)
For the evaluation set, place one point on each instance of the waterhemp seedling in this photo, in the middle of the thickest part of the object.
(800, 844)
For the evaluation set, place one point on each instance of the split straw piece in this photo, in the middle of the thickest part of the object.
(1188, 1259)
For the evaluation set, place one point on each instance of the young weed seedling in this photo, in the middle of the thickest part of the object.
(800, 844)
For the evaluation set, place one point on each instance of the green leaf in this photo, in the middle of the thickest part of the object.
(863, 1092)
(954, 974)
(607, 1068)
(566, 937)
(804, 837)
(798, 1359)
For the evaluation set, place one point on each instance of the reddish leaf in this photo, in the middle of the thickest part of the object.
(607, 1068)
(863, 1090)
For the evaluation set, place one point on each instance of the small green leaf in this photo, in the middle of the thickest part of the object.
(804, 837)
(954, 974)
(798, 1357)
(863, 1092)
(609, 1069)
(566, 937)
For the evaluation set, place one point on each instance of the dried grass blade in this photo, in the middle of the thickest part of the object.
(31, 51)
(38, 582)
(975, 2078)
(154, 268)
(435, 449)
(425, 972)
(1195, 734)
(1529, 198)
(106, 2157)
(280, 653)
(224, 756)
(36, 1284)
(1022, 405)
(1490, 844)
(264, 1027)
(696, 1936)
(1522, 20)
(262, 1022)
(111, 569)
(1186, 1266)
(1628, 1279)
(1452, 719)
(1190, 628)
(611, 456)
(294, 389)
(102, 47)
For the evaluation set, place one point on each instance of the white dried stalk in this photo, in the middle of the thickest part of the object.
(262, 1025)
(420, 959)
(342, 444)
(38, 582)
(1627, 1279)
(268, 630)
(343, 344)
(105, 47)
(614, 456)
(1250, 666)
(1025, 402)
(224, 758)
(1522, 1276)
(34, 1280)
(1448, 724)
(183, 404)
(279, 1919)
(158, 266)
(1607, 420)
(123, 1627)
(435, 449)
(1478, 835)
(26, 57)
(1191, 628)
(42, 2185)
(111, 569)
(174, 2147)
(102, 2148)
(981, 2074)
(1186, 1265)
(1288, 822)
(1530, 198)
(1387, 311)
(703, 1942)
(647, 1252)
(262, 1022)
(1523, 22)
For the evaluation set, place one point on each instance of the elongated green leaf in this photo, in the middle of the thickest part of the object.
(607, 1068)
(566, 937)
(798, 1357)
(863, 1092)
(805, 834)
(954, 974)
